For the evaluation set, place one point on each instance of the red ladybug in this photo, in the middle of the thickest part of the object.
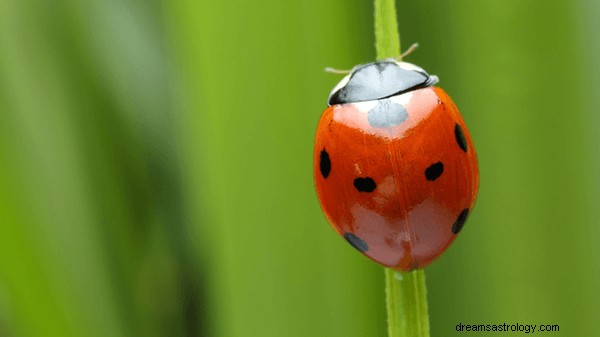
(394, 165)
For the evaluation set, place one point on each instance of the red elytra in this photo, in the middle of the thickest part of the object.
(396, 175)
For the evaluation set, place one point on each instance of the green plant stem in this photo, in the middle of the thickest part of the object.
(406, 296)
(406, 293)
(387, 39)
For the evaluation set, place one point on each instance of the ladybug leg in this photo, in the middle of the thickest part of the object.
(337, 71)
(408, 51)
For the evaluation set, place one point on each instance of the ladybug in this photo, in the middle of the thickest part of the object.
(395, 168)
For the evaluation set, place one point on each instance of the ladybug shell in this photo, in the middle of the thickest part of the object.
(396, 177)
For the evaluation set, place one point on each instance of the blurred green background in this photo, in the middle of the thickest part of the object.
(156, 174)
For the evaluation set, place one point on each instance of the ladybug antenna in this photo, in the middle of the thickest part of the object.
(337, 71)
(408, 51)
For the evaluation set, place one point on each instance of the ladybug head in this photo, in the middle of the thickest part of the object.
(378, 80)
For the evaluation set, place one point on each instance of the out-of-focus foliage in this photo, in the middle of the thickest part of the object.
(156, 175)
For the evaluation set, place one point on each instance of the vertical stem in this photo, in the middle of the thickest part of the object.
(406, 296)
(387, 40)
(406, 293)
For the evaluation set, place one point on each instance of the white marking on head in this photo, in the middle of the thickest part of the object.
(365, 106)
(340, 84)
(410, 66)
(402, 99)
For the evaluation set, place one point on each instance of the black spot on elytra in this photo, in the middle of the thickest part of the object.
(356, 242)
(460, 137)
(365, 184)
(460, 221)
(324, 164)
(434, 171)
